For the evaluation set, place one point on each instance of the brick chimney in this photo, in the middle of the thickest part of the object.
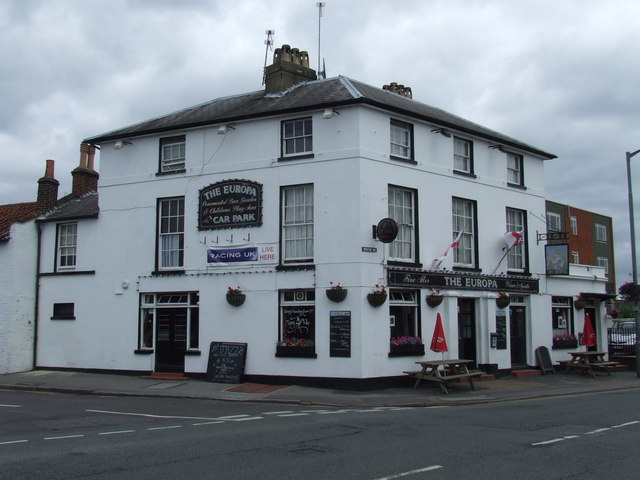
(290, 67)
(85, 178)
(47, 190)
(399, 89)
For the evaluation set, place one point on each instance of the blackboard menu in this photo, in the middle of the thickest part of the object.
(544, 360)
(339, 333)
(501, 330)
(226, 362)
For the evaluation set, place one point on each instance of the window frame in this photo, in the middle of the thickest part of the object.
(603, 262)
(468, 240)
(63, 311)
(575, 257)
(574, 224)
(407, 232)
(600, 233)
(562, 305)
(396, 126)
(306, 137)
(150, 302)
(519, 182)
(176, 140)
(555, 216)
(303, 299)
(178, 233)
(520, 251)
(66, 246)
(285, 227)
(468, 156)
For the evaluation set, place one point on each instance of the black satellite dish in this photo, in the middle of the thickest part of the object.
(387, 230)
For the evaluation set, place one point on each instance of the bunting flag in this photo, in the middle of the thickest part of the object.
(438, 260)
(513, 239)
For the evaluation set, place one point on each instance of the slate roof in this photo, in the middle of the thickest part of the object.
(75, 208)
(317, 94)
(12, 213)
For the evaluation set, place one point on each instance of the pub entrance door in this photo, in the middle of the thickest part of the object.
(171, 339)
(467, 329)
(518, 335)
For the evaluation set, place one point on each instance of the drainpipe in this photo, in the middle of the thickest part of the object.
(37, 299)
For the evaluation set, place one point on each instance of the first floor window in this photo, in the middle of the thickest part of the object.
(464, 211)
(516, 258)
(169, 316)
(402, 209)
(297, 223)
(562, 322)
(603, 262)
(601, 233)
(462, 155)
(67, 245)
(297, 322)
(172, 154)
(554, 222)
(574, 225)
(171, 233)
(297, 137)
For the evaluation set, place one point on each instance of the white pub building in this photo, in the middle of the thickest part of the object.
(322, 223)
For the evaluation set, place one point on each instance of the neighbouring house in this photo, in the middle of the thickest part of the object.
(323, 223)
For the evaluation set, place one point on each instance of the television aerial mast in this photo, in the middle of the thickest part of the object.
(321, 73)
(269, 45)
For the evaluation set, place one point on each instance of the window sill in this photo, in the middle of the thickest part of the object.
(63, 318)
(296, 157)
(172, 172)
(403, 159)
(294, 267)
(406, 350)
(143, 352)
(68, 272)
(160, 273)
(300, 352)
(193, 353)
(516, 185)
(465, 174)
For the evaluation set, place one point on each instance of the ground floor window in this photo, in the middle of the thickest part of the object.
(297, 329)
(562, 319)
(404, 323)
(169, 317)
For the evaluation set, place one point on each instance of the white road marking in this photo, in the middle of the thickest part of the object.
(411, 472)
(10, 442)
(168, 427)
(116, 432)
(294, 415)
(277, 413)
(592, 432)
(11, 406)
(208, 423)
(63, 437)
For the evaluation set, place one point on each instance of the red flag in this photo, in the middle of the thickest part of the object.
(588, 335)
(438, 260)
(438, 342)
(513, 239)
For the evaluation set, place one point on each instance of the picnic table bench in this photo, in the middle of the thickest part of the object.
(589, 362)
(443, 372)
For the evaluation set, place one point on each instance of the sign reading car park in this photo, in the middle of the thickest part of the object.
(230, 204)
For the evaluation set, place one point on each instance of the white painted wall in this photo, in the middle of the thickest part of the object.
(17, 300)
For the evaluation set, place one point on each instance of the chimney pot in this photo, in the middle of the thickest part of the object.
(290, 67)
(47, 190)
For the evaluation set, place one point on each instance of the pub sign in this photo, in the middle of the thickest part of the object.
(230, 204)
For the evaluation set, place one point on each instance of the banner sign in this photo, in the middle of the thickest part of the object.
(230, 204)
(462, 282)
(229, 255)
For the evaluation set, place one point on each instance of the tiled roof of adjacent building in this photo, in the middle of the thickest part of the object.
(12, 213)
(317, 94)
(75, 208)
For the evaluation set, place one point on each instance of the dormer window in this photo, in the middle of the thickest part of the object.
(172, 154)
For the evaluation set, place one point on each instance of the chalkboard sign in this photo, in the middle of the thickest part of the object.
(544, 360)
(226, 362)
(501, 329)
(340, 333)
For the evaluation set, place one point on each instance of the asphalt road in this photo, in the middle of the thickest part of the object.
(55, 436)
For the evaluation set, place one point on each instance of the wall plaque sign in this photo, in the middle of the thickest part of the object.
(462, 281)
(230, 204)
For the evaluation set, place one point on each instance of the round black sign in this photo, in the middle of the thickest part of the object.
(387, 230)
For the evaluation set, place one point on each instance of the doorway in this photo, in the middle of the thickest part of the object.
(518, 335)
(171, 339)
(467, 329)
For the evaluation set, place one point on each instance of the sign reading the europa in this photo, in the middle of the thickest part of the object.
(230, 204)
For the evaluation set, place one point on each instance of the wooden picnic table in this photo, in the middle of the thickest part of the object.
(588, 362)
(443, 372)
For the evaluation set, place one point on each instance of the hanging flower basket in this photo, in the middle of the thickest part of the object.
(235, 296)
(580, 303)
(377, 296)
(433, 300)
(503, 300)
(336, 293)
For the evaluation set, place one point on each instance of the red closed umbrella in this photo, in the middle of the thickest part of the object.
(588, 335)
(439, 342)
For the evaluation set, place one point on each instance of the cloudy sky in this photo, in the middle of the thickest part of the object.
(562, 75)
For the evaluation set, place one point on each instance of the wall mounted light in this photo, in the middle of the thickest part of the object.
(121, 143)
(442, 131)
(498, 147)
(329, 113)
(222, 129)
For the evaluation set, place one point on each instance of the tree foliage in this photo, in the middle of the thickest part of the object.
(630, 291)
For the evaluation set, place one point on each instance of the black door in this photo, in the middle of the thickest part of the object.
(467, 329)
(171, 339)
(518, 335)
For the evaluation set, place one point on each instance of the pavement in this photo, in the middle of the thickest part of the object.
(487, 391)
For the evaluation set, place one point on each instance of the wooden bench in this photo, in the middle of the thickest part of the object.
(442, 380)
(606, 366)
